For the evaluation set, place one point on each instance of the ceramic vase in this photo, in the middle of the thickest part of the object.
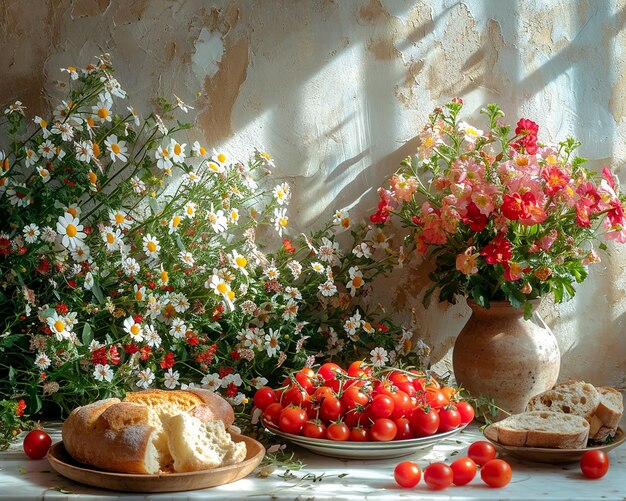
(501, 355)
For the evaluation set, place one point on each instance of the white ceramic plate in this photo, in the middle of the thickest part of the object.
(364, 450)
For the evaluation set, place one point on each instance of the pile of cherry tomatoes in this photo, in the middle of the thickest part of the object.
(358, 405)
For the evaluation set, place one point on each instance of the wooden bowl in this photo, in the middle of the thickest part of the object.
(63, 464)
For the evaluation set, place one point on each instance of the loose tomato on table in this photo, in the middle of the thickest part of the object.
(36, 444)
(407, 474)
(425, 422)
(292, 419)
(463, 470)
(594, 464)
(481, 452)
(438, 476)
(496, 473)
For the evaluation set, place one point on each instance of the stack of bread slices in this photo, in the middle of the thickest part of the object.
(567, 416)
(154, 431)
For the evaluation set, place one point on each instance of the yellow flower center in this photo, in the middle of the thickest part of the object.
(221, 288)
(72, 211)
(266, 156)
(71, 230)
(152, 246)
(119, 218)
(135, 329)
(190, 210)
(91, 122)
(115, 148)
(138, 296)
(241, 261)
(92, 177)
(231, 295)
(103, 113)
(96, 150)
(213, 166)
(59, 326)
(5, 164)
(221, 158)
(165, 277)
(175, 221)
(165, 153)
(283, 222)
(110, 238)
(177, 149)
(357, 281)
(43, 123)
(202, 151)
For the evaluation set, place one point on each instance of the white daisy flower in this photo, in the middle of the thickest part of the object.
(178, 328)
(221, 157)
(70, 230)
(135, 115)
(151, 336)
(145, 378)
(47, 149)
(42, 361)
(139, 292)
(362, 250)
(232, 378)
(328, 288)
(379, 356)
(471, 133)
(103, 109)
(31, 233)
(211, 382)
(180, 104)
(120, 219)
(16, 107)
(84, 151)
(291, 310)
(190, 210)
(43, 124)
(73, 72)
(356, 280)
(171, 379)
(163, 157)
(238, 261)
(89, 281)
(134, 329)
(151, 246)
(217, 220)
(112, 237)
(258, 382)
(80, 253)
(192, 177)
(295, 267)
(282, 193)
(272, 345)
(198, 150)
(117, 149)
(19, 195)
(233, 215)
(64, 129)
(44, 174)
(271, 272)
(138, 185)
(180, 302)
(103, 373)
(318, 267)
(59, 326)
(187, 258)
(352, 324)
(49, 235)
(280, 220)
(173, 224)
(31, 158)
(130, 266)
(215, 167)
(177, 151)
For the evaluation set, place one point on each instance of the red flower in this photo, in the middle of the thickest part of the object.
(206, 357)
(608, 175)
(138, 319)
(512, 206)
(527, 128)
(99, 356)
(232, 390)
(382, 214)
(615, 215)
(43, 266)
(555, 179)
(497, 251)
(287, 245)
(72, 283)
(234, 354)
(225, 371)
(21, 407)
(192, 339)
(217, 312)
(131, 348)
(381, 328)
(476, 220)
(114, 355)
(588, 195)
(145, 351)
(582, 215)
(168, 361)
(5, 246)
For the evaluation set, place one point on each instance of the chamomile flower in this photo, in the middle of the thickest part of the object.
(217, 220)
(163, 157)
(138, 185)
(47, 149)
(70, 230)
(31, 233)
(211, 382)
(233, 215)
(135, 115)
(59, 326)
(318, 267)
(139, 292)
(295, 267)
(103, 109)
(44, 126)
(342, 218)
(190, 210)
(89, 281)
(16, 107)
(81, 253)
(291, 310)
(180, 104)
(112, 86)
(19, 195)
(145, 378)
(238, 261)
(272, 345)
(49, 235)
(379, 356)
(221, 288)
(282, 193)
(120, 219)
(198, 150)
(258, 382)
(42, 361)
(356, 280)
(177, 151)
(171, 379)
(44, 174)
(328, 288)
(178, 328)
(471, 133)
(130, 266)
(134, 329)
(280, 220)
(221, 157)
(362, 250)
(180, 302)
(112, 237)
(73, 72)
(73, 210)
(117, 149)
(174, 223)
(271, 272)
(263, 156)
(151, 245)
(64, 129)
(31, 158)
(84, 151)
(215, 167)
(151, 336)
(187, 258)
(192, 177)
(103, 373)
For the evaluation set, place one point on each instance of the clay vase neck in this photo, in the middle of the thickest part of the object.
(500, 355)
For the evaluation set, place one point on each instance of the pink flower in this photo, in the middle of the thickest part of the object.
(466, 262)
(403, 188)
(547, 241)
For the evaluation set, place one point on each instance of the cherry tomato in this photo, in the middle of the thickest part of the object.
(438, 476)
(407, 388)
(464, 471)
(264, 396)
(36, 444)
(397, 377)
(424, 423)
(407, 474)
(466, 411)
(329, 372)
(338, 431)
(594, 464)
(358, 369)
(496, 473)
(449, 419)
(314, 429)
(323, 392)
(359, 434)
(404, 430)
(449, 392)
(354, 418)
(293, 395)
(292, 419)
(481, 452)
(383, 430)
(305, 381)
(436, 398)
(331, 409)
(272, 412)
(382, 406)
(354, 397)
(401, 404)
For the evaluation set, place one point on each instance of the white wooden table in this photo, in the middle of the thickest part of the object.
(25, 479)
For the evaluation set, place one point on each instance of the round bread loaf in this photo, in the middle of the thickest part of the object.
(128, 436)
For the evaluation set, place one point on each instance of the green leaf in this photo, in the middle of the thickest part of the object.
(97, 292)
(87, 336)
(154, 206)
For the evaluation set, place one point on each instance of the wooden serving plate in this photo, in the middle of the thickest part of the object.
(63, 464)
(544, 455)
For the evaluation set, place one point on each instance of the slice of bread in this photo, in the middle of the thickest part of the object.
(608, 414)
(552, 430)
(569, 397)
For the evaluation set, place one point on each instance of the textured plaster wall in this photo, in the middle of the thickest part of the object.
(337, 90)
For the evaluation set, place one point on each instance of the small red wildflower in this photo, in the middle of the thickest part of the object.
(234, 354)
(225, 371)
(168, 361)
(232, 390)
(131, 348)
(146, 352)
(21, 406)
(61, 308)
(287, 245)
(497, 251)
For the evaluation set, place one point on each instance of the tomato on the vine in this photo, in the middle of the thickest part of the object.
(438, 476)
(481, 452)
(263, 397)
(272, 412)
(425, 422)
(338, 431)
(383, 430)
(354, 397)
(331, 409)
(305, 381)
(594, 464)
(293, 395)
(401, 404)
(359, 434)
(36, 444)
(464, 471)
(496, 473)
(449, 419)
(382, 406)
(292, 419)
(435, 397)
(407, 474)
(466, 411)
(323, 392)
(314, 429)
